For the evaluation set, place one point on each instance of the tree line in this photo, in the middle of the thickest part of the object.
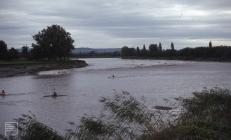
(7, 54)
(51, 43)
(155, 51)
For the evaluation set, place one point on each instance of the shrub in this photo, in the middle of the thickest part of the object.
(205, 116)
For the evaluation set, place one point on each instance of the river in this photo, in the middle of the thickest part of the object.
(153, 80)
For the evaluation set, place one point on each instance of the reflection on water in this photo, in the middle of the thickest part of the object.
(53, 73)
(155, 80)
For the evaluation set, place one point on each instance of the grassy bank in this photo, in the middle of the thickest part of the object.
(24, 67)
(205, 116)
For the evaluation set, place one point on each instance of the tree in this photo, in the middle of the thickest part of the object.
(13, 53)
(25, 52)
(144, 51)
(37, 52)
(210, 44)
(160, 47)
(3, 50)
(172, 46)
(138, 51)
(125, 51)
(53, 42)
(153, 49)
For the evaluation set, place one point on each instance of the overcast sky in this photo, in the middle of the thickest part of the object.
(115, 23)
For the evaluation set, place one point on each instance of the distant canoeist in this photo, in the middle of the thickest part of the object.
(113, 76)
(3, 93)
(55, 94)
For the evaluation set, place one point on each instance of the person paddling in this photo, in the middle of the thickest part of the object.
(55, 94)
(3, 92)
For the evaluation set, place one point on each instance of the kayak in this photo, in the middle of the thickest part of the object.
(54, 96)
(2, 94)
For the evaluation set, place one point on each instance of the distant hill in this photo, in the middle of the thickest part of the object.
(95, 50)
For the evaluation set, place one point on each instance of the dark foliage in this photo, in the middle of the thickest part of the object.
(207, 115)
(6, 54)
(3, 50)
(25, 52)
(219, 53)
(52, 43)
(94, 54)
(31, 129)
(128, 51)
(172, 46)
(13, 53)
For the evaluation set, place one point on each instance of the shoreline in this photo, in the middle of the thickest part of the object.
(20, 68)
(180, 59)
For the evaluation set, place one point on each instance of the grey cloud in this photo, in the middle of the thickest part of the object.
(208, 4)
(118, 20)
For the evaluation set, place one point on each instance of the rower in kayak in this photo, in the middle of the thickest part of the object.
(55, 94)
(3, 93)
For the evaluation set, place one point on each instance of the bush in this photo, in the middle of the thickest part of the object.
(205, 116)
(31, 129)
(125, 117)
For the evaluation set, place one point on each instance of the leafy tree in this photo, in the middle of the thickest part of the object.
(220, 53)
(37, 52)
(25, 52)
(138, 51)
(160, 47)
(124, 51)
(144, 51)
(210, 44)
(3, 50)
(153, 49)
(13, 53)
(53, 42)
(172, 46)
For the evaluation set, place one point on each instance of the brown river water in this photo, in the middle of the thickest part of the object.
(154, 80)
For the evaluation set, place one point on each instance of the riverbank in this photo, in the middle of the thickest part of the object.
(179, 58)
(26, 67)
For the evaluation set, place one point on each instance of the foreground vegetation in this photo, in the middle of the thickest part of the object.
(205, 116)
